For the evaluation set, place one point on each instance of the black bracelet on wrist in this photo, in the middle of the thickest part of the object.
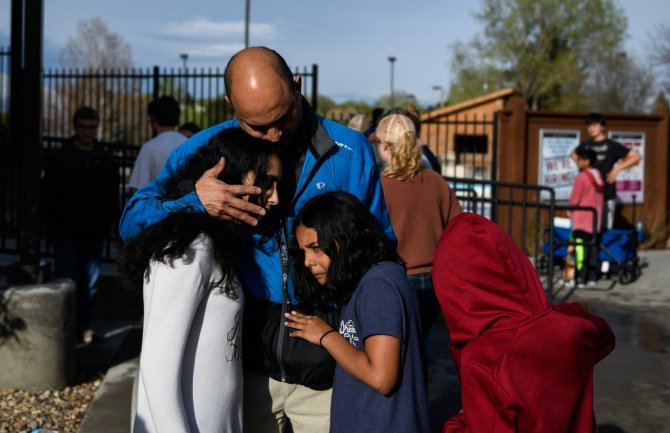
(326, 333)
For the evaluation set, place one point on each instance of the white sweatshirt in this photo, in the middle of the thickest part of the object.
(152, 157)
(191, 362)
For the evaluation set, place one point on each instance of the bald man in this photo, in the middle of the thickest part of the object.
(285, 378)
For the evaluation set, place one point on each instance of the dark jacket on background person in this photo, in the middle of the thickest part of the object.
(80, 194)
(608, 153)
(524, 365)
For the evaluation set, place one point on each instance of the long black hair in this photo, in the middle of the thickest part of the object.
(168, 240)
(350, 236)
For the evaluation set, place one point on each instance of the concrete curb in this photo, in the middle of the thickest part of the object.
(110, 411)
(650, 291)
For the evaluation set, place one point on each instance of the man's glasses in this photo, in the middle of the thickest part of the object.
(87, 127)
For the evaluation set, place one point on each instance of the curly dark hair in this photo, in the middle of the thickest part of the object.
(169, 239)
(350, 236)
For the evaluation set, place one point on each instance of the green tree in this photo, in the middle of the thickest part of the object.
(661, 54)
(620, 83)
(346, 110)
(96, 47)
(545, 49)
(357, 106)
(93, 49)
(400, 99)
(325, 104)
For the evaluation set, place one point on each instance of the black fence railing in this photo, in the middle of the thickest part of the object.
(525, 212)
(121, 98)
(124, 156)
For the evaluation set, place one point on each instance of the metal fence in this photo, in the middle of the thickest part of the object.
(121, 98)
(528, 214)
(466, 145)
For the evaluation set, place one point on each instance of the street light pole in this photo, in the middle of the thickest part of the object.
(184, 58)
(441, 90)
(246, 23)
(392, 61)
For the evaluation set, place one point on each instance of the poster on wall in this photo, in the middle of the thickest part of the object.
(630, 182)
(556, 169)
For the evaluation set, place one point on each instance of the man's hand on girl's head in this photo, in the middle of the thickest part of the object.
(227, 202)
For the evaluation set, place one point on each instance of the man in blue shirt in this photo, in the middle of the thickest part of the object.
(284, 378)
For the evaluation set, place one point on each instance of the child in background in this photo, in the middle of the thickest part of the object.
(525, 366)
(342, 257)
(587, 191)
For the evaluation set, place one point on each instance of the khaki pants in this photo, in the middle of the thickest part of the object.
(269, 403)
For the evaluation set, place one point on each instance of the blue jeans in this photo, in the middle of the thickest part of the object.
(80, 260)
(429, 308)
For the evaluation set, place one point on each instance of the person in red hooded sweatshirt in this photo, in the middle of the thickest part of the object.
(524, 365)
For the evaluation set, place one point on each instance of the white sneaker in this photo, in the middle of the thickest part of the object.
(88, 335)
(605, 267)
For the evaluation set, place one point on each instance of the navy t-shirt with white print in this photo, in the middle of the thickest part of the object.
(383, 304)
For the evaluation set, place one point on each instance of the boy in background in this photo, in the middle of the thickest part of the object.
(587, 191)
(612, 158)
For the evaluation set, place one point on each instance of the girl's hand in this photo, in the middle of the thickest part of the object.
(311, 328)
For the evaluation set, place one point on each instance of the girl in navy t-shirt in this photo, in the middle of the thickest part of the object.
(341, 257)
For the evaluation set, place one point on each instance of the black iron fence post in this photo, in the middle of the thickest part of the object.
(315, 87)
(156, 82)
(549, 286)
(26, 131)
(494, 162)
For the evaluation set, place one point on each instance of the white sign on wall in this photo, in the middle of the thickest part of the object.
(557, 169)
(630, 181)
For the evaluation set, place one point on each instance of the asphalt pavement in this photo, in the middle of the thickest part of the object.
(632, 392)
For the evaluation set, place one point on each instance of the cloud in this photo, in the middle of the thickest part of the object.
(215, 51)
(200, 29)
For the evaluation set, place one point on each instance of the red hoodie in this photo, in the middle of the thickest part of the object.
(524, 365)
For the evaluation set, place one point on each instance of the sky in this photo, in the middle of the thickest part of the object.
(350, 40)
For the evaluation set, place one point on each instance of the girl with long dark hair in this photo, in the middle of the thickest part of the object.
(190, 375)
(341, 257)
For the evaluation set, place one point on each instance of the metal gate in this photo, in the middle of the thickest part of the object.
(466, 145)
(525, 212)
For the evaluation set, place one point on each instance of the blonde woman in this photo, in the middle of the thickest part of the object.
(420, 204)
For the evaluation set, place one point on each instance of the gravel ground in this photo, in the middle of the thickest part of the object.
(61, 411)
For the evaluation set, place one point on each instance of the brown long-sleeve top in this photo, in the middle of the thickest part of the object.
(420, 209)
